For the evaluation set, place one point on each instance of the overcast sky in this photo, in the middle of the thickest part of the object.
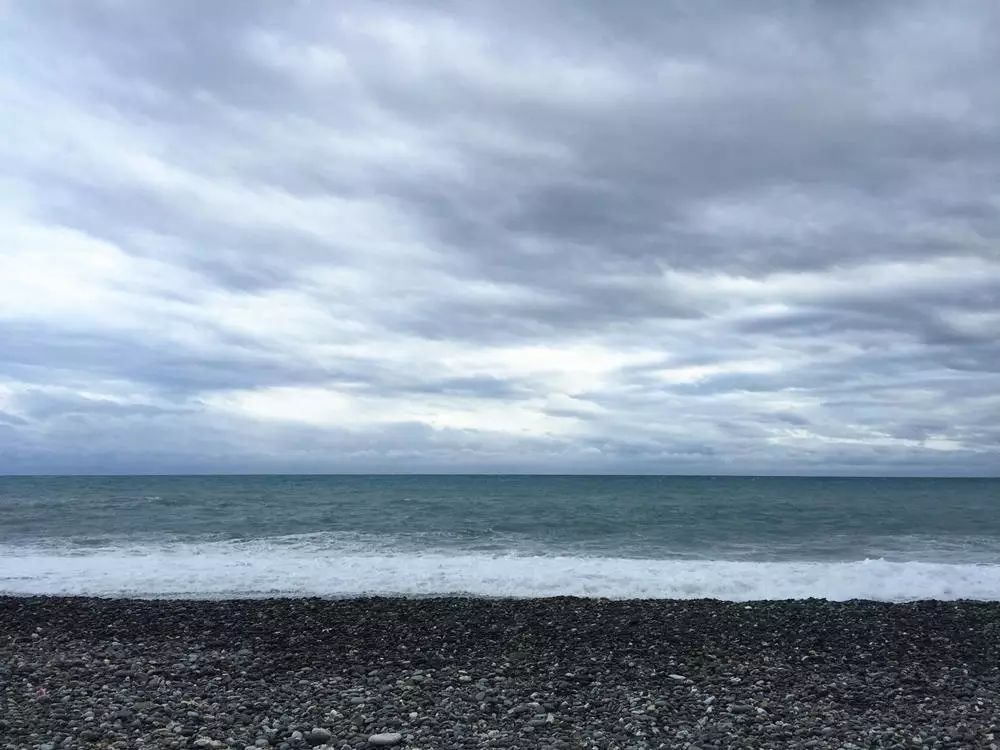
(514, 236)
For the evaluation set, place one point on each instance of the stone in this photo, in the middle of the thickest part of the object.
(523, 708)
(318, 736)
(385, 740)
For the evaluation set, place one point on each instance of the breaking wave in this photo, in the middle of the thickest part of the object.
(313, 565)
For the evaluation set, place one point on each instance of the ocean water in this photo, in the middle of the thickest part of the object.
(735, 538)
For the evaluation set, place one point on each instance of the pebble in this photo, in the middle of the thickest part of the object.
(523, 708)
(318, 736)
(385, 740)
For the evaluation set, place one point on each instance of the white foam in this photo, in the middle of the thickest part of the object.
(262, 568)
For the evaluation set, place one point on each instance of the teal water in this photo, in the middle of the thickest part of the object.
(520, 535)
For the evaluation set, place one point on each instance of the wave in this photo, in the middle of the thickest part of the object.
(297, 567)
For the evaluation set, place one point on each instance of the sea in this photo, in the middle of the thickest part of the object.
(731, 538)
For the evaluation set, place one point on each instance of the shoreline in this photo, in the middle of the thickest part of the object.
(269, 597)
(213, 571)
(466, 672)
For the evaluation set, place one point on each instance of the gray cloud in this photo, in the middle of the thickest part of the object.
(710, 237)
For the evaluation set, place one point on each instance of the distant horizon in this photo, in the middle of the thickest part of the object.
(502, 474)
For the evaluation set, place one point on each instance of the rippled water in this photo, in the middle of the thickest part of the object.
(726, 537)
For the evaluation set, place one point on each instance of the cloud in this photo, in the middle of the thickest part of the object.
(557, 237)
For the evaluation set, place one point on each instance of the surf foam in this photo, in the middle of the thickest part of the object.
(261, 568)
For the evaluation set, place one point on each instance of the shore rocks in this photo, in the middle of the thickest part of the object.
(475, 673)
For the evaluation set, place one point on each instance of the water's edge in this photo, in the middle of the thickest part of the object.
(220, 575)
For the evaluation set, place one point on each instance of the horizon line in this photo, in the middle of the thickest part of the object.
(98, 475)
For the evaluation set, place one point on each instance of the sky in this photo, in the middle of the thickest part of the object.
(631, 237)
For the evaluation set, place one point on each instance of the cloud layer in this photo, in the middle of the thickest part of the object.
(631, 237)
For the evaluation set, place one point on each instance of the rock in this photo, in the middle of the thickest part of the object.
(385, 740)
(523, 708)
(318, 736)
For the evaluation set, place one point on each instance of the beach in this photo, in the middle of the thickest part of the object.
(500, 673)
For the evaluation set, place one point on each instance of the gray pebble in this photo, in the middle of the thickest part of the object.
(385, 740)
(318, 736)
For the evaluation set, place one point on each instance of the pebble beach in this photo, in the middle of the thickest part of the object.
(497, 673)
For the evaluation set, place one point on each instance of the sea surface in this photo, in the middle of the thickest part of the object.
(735, 538)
